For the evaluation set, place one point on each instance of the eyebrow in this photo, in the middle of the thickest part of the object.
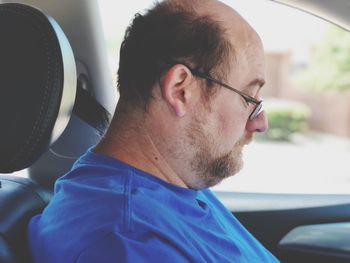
(258, 81)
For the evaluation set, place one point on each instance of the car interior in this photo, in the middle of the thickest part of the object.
(57, 98)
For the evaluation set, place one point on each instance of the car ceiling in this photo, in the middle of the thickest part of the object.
(335, 11)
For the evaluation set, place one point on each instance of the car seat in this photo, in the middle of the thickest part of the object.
(39, 91)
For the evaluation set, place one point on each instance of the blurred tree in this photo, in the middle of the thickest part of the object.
(329, 68)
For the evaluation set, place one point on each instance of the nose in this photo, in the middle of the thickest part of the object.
(258, 124)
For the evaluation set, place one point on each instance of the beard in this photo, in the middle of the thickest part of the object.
(209, 163)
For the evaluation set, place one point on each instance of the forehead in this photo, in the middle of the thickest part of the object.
(252, 54)
(248, 61)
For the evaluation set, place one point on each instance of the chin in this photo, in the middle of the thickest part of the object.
(237, 163)
(223, 167)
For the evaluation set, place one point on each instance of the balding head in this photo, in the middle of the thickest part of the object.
(240, 34)
(173, 32)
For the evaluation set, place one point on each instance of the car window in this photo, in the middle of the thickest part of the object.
(306, 98)
(116, 16)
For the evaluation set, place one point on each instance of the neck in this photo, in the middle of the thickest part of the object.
(132, 142)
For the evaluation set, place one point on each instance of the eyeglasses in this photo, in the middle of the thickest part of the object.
(248, 99)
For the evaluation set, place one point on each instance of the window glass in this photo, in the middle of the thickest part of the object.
(306, 98)
(116, 16)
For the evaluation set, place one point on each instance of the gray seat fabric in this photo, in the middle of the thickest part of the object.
(20, 199)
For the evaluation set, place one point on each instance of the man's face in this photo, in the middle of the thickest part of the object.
(217, 134)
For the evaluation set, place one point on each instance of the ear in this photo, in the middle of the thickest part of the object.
(176, 88)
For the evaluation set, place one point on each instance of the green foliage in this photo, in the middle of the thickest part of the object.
(285, 120)
(330, 63)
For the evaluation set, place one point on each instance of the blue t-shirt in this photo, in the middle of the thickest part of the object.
(107, 211)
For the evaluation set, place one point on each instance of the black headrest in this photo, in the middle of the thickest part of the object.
(37, 84)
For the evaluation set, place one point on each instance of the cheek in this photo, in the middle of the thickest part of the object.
(228, 119)
(231, 125)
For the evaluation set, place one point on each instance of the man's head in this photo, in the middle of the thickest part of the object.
(172, 31)
(171, 63)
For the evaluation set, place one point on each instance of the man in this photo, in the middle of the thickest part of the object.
(141, 195)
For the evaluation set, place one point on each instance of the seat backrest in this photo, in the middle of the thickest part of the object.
(37, 95)
(29, 199)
